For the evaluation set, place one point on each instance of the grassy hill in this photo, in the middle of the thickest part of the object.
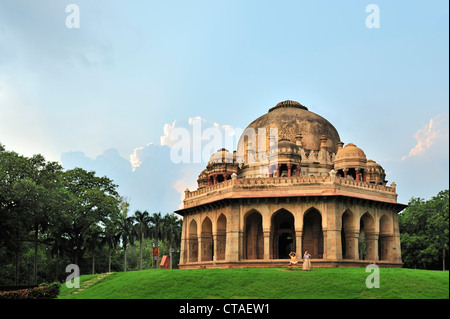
(265, 283)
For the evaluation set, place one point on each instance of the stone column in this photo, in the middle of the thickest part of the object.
(298, 244)
(278, 170)
(372, 246)
(199, 248)
(289, 166)
(396, 255)
(233, 239)
(332, 235)
(385, 242)
(351, 245)
(183, 244)
(266, 245)
(345, 170)
(216, 247)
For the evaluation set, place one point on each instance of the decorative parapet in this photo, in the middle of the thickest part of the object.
(290, 186)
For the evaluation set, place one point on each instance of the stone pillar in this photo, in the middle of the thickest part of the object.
(266, 245)
(396, 255)
(183, 244)
(385, 242)
(372, 246)
(200, 248)
(289, 166)
(233, 240)
(345, 170)
(278, 170)
(351, 245)
(357, 174)
(298, 244)
(332, 236)
(215, 179)
(216, 247)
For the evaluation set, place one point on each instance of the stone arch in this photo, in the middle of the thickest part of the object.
(207, 242)
(193, 241)
(221, 237)
(366, 233)
(253, 235)
(349, 235)
(385, 238)
(312, 240)
(282, 234)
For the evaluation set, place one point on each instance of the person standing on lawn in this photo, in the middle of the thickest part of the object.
(306, 261)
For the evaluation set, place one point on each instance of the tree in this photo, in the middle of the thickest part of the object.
(141, 229)
(94, 200)
(156, 230)
(424, 232)
(126, 235)
(171, 231)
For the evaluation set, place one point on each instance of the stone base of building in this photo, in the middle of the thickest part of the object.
(315, 263)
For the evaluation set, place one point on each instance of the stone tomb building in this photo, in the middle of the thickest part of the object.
(301, 189)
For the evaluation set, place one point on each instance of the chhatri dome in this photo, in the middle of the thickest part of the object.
(299, 189)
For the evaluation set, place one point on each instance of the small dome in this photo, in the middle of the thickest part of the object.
(221, 156)
(372, 163)
(286, 146)
(350, 151)
(350, 156)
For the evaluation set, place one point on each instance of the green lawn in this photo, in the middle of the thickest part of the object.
(266, 283)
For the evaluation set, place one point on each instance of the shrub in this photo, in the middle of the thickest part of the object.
(41, 292)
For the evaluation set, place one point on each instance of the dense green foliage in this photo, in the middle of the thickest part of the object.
(50, 218)
(268, 283)
(424, 232)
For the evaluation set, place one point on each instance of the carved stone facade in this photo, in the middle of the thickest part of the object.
(307, 192)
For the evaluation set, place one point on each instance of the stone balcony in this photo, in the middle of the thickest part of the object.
(330, 185)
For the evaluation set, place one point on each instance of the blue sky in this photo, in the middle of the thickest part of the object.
(101, 96)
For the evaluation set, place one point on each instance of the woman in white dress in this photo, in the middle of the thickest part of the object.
(306, 261)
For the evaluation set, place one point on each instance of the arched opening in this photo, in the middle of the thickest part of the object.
(207, 240)
(254, 238)
(384, 244)
(283, 170)
(312, 240)
(365, 244)
(193, 242)
(283, 234)
(221, 237)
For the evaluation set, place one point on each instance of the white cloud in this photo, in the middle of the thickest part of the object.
(434, 132)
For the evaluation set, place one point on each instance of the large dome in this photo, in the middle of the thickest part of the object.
(291, 119)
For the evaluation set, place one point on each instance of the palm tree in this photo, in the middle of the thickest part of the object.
(156, 230)
(141, 229)
(126, 234)
(112, 236)
(171, 231)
